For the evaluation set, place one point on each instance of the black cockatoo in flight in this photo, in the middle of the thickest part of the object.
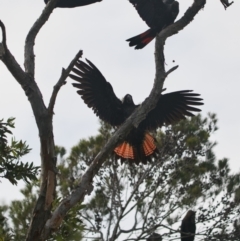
(188, 226)
(139, 145)
(157, 14)
(73, 3)
(226, 3)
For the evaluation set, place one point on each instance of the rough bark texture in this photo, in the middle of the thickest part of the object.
(43, 222)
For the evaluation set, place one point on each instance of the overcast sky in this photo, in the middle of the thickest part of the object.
(207, 52)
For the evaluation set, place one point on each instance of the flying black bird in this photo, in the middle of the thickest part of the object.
(139, 145)
(157, 14)
(226, 3)
(73, 3)
(188, 226)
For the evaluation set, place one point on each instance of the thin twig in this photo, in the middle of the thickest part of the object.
(4, 38)
(171, 70)
(96, 231)
(126, 205)
(61, 81)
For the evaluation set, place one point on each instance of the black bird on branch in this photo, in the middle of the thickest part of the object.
(139, 145)
(188, 227)
(73, 3)
(157, 14)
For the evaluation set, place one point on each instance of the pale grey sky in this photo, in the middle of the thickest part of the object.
(207, 52)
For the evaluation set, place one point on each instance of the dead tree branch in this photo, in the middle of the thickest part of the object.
(43, 119)
(9, 60)
(61, 81)
(29, 56)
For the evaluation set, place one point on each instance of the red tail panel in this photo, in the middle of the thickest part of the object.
(141, 40)
(149, 146)
(146, 37)
(133, 153)
(124, 150)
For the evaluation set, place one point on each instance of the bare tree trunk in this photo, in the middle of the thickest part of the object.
(43, 117)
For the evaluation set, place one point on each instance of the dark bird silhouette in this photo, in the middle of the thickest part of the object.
(157, 14)
(139, 145)
(236, 228)
(73, 3)
(226, 3)
(154, 237)
(188, 226)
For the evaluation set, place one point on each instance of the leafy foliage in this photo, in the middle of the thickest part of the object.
(19, 215)
(5, 231)
(137, 202)
(132, 202)
(10, 153)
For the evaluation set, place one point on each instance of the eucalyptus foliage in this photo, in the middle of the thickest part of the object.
(11, 150)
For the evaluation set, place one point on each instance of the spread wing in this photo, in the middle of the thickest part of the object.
(151, 11)
(171, 108)
(97, 93)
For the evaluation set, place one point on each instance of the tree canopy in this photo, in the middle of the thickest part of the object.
(134, 202)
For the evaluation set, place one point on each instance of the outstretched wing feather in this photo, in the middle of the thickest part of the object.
(171, 108)
(97, 93)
